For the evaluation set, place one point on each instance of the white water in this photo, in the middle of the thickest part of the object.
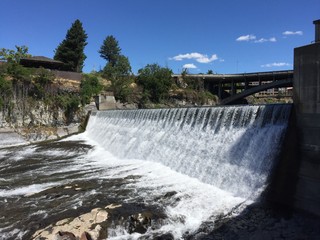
(212, 158)
(11, 139)
(231, 148)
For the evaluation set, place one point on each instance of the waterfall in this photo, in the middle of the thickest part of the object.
(232, 148)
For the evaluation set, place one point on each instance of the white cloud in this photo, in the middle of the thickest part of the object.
(189, 65)
(262, 40)
(246, 38)
(276, 64)
(287, 33)
(201, 58)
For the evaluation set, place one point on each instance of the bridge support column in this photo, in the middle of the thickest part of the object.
(233, 88)
(220, 91)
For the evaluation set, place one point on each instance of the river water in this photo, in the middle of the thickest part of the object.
(189, 166)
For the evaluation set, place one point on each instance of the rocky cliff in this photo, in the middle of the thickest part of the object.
(37, 121)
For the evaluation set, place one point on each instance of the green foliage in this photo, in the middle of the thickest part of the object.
(156, 82)
(117, 69)
(14, 56)
(120, 76)
(110, 50)
(71, 49)
(89, 86)
(19, 74)
(194, 83)
(70, 103)
(42, 83)
(5, 92)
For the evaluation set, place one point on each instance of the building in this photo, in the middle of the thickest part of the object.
(56, 67)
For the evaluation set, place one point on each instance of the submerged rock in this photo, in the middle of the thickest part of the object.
(139, 222)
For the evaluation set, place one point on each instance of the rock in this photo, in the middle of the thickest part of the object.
(64, 236)
(113, 206)
(139, 223)
(85, 236)
(167, 236)
(87, 225)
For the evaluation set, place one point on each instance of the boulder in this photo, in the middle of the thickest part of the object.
(86, 226)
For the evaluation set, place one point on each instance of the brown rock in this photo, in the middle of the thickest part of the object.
(85, 236)
(64, 236)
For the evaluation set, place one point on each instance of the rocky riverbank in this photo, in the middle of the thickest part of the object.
(100, 222)
(24, 135)
(257, 221)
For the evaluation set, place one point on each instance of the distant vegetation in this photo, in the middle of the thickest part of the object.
(20, 86)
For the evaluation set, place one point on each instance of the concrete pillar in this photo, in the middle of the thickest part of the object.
(306, 87)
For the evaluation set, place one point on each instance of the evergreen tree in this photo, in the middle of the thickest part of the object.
(117, 69)
(120, 76)
(110, 50)
(71, 49)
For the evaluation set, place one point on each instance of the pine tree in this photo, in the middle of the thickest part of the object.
(71, 49)
(110, 50)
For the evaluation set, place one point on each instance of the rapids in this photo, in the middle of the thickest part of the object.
(209, 159)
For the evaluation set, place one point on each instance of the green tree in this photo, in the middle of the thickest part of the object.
(156, 82)
(117, 69)
(14, 56)
(110, 50)
(71, 49)
(121, 78)
(5, 93)
(89, 87)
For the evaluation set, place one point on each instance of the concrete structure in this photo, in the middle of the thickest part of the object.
(256, 89)
(237, 86)
(307, 108)
(105, 101)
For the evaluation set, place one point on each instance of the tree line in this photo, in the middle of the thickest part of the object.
(153, 83)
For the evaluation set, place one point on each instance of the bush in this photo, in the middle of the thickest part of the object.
(89, 87)
(156, 82)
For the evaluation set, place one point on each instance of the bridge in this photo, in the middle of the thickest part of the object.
(231, 88)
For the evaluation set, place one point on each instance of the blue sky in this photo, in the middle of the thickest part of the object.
(231, 36)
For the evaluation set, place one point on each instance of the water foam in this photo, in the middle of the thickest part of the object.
(231, 148)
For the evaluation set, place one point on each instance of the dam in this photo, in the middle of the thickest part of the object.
(186, 169)
(189, 165)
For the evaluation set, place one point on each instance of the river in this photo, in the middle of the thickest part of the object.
(187, 166)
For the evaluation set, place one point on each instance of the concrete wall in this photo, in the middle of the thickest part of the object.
(307, 108)
(105, 101)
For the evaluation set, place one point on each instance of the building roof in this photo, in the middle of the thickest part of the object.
(41, 59)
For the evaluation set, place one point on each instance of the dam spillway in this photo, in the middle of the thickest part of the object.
(232, 148)
(194, 164)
